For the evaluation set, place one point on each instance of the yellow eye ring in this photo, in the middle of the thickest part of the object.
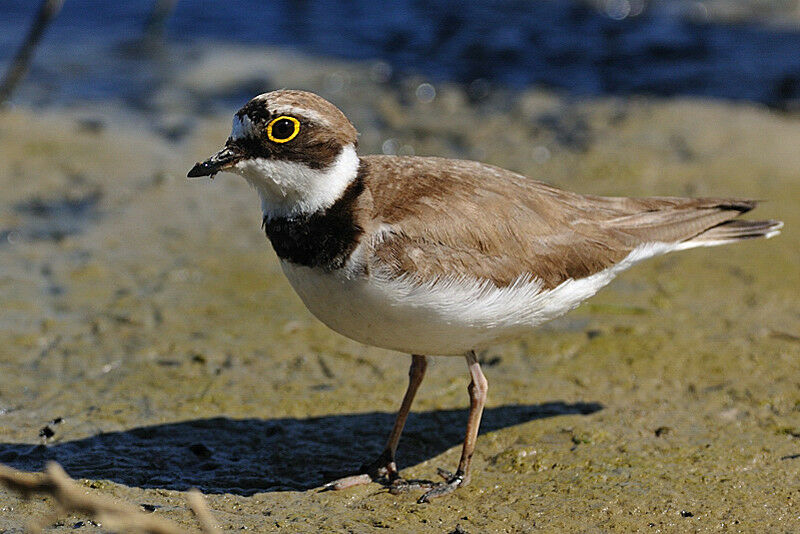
(295, 123)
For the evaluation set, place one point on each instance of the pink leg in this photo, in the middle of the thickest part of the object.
(385, 465)
(478, 389)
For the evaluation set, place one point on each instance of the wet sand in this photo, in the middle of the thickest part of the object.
(151, 344)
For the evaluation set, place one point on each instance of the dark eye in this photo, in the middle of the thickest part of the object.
(283, 129)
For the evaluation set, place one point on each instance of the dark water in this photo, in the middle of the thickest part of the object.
(90, 51)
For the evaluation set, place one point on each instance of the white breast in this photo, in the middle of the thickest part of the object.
(448, 316)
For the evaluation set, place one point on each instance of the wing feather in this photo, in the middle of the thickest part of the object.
(463, 218)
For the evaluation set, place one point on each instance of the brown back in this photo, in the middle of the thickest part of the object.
(463, 218)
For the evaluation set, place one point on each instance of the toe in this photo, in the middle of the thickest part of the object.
(347, 482)
(445, 474)
(437, 491)
(453, 482)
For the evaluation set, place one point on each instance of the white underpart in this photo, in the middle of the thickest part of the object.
(289, 188)
(446, 316)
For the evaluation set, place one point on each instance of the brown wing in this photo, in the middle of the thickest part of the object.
(465, 218)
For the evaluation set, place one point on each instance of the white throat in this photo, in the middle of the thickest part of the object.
(289, 188)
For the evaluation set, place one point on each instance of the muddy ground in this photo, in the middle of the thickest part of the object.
(149, 342)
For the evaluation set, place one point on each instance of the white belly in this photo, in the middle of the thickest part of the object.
(447, 317)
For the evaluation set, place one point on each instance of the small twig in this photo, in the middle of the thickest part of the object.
(19, 66)
(200, 508)
(786, 336)
(70, 497)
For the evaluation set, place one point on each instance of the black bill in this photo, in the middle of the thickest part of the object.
(222, 160)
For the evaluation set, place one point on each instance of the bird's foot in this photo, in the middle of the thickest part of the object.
(452, 481)
(382, 470)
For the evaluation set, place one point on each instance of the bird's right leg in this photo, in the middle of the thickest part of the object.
(384, 466)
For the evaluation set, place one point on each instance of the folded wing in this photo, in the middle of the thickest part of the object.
(479, 221)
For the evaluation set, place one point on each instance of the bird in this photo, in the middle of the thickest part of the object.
(440, 257)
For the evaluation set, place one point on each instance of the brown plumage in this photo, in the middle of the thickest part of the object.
(451, 217)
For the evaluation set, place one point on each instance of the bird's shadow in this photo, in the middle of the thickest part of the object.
(246, 456)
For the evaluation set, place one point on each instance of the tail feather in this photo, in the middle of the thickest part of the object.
(686, 222)
(737, 230)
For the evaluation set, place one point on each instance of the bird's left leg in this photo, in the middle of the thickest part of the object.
(478, 388)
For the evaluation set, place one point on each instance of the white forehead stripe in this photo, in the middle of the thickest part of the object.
(309, 114)
(243, 127)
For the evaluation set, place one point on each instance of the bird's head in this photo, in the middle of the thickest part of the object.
(295, 148)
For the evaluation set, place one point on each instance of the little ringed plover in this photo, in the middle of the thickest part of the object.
(433, 256)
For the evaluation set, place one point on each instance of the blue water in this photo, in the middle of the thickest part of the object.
(90, 52)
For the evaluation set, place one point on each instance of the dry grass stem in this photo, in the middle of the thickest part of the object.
(114, 515)
(200, 508)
